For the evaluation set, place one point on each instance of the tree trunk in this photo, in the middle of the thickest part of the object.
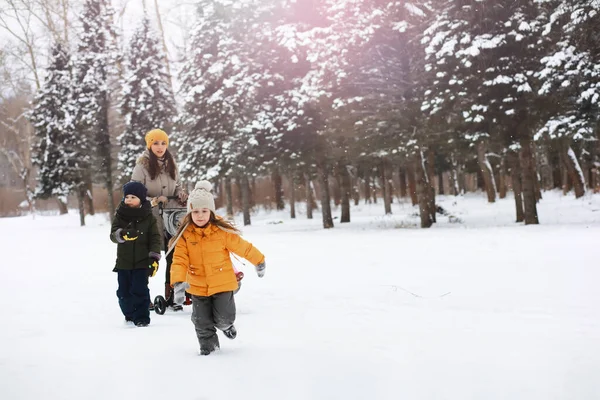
(572, 166)
(104, 150)
(440, 177)
(238, 186)
(346, 188)
(292, 197)
(453, 178)
(367, 187)
(566, 181)
(356, 190)
(486, 171)
(323, 178)
(457, 181)
(460, 174)
(515, 176)
(430, 168)
(246, 199)
(252, 191)
(546, 170)
(536, 181)
(529, 176)
(62, 206)
(402, 179)
(229, 197)
(383, 179)
(374, 190)
(337, 187)
(423, 190)
(81, 197)
(587, 167)
(412, 183)
(164, 44)
(29, 194)
(278, 184)
(309, 197)
(89, 198)
(502, 179)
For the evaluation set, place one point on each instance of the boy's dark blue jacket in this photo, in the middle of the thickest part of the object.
(135, 254)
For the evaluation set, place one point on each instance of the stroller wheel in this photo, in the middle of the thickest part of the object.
(160, 305)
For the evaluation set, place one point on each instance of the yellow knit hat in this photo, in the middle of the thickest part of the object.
(154, 135)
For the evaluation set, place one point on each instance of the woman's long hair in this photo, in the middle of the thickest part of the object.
(217, 221)
(154, 166)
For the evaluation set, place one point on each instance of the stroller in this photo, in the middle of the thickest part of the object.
(172, 213)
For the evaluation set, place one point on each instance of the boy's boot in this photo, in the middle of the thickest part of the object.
(188, 299)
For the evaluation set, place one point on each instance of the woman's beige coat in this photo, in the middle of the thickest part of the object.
(162, 185)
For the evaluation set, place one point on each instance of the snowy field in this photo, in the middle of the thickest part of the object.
(482, 308)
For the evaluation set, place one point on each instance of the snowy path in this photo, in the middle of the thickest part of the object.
(332, 319)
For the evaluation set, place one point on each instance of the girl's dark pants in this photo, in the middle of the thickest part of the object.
(212, 313)
(133, 294)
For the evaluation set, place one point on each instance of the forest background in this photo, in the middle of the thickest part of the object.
(320, 101)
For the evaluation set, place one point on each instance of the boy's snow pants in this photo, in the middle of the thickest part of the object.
(209, 313)
(133, 294)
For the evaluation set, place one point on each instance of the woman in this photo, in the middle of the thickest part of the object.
(157, 170)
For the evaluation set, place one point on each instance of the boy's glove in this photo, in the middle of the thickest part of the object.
(260, 269)
(179, 292)
(153, 267)
(129, 234)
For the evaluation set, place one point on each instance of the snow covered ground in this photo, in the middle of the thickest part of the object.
(496, 310)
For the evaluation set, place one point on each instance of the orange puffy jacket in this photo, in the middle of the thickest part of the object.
(201, 259)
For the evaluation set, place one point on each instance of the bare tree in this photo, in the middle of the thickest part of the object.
(16, 136)
(164, 41)
(19, 24)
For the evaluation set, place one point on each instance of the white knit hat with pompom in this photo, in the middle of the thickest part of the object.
(201, 197)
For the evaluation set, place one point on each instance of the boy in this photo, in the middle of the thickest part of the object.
(135, 230)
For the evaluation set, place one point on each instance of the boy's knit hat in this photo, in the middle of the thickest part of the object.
(201, 197)
(154, 135)
(135, 188)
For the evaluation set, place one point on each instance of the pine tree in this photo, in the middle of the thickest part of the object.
(95, 65)
(571, 77)
(482, 60)
(148, 100)
(51, 118)
(228, 85)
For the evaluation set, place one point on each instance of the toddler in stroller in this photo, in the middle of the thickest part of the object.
(171, 213)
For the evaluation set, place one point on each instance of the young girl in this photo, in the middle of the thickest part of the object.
(157, 170)
(135, 230)
(201, 265)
